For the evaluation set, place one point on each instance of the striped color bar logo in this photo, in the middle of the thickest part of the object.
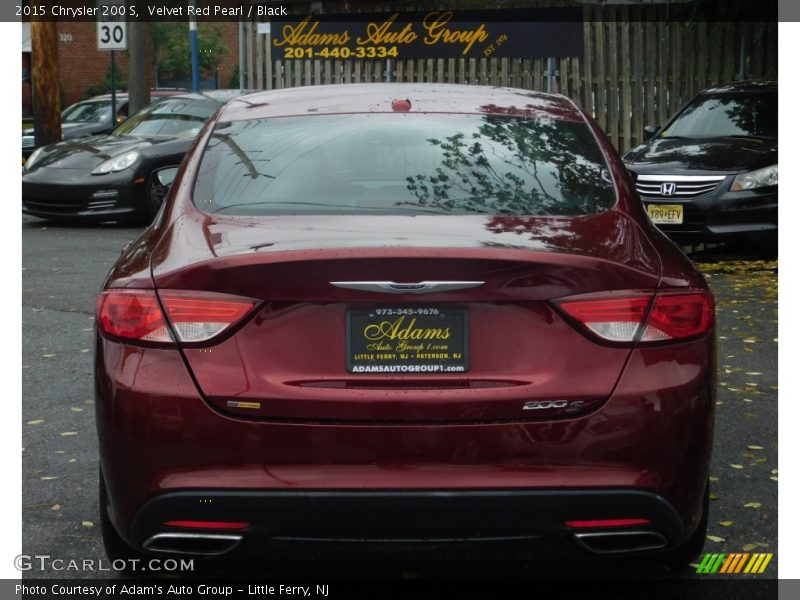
(739, 562)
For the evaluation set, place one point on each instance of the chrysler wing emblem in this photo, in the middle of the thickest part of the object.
(421, 287)
(668, 189)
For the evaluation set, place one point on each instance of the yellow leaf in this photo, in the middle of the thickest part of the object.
(55, 507)
(713, 478)
(48, 477)
(737, 466)
(87, 523)
(68, 433)
(76, 409)
(714, 538)
(713, 497)
(726, 523)
(753, 505)
(756, 447)
(749, 547)
(35, 422)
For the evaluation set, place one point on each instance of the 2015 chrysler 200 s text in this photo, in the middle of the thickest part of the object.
(394, 319)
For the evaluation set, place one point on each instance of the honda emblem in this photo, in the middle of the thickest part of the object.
(668, 189)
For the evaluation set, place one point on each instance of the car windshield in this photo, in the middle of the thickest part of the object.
(172, 117)
(727, 115)
(87, 112)
(403, 164)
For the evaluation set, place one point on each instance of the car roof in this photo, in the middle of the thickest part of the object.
(738, 87)
(378, 98)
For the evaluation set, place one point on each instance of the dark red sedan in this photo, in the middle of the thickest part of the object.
(404, 320)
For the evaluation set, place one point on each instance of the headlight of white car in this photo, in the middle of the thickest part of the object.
(116, 163)
(755, 179)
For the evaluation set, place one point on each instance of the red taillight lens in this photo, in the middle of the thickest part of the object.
(678, 316)
(592, 523)
(613, 319)
(198, 317)
(621, 317)
(195, 316)
(133, 315)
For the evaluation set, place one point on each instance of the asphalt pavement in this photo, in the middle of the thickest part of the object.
(64, 267)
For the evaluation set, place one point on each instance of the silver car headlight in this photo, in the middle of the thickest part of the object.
(116, 163)
(755, 179)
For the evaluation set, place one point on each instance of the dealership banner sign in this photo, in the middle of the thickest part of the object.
(433, 34)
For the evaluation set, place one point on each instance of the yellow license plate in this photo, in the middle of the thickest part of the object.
(665, 214)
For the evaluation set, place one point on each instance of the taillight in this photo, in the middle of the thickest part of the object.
(638, 316)
(194, 316)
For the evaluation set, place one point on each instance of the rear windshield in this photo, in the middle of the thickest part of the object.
(728, 115)
(403, 164)
(173, 117)
(87, 112)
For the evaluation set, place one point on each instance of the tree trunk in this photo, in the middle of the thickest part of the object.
(46, 92)
(138, 65)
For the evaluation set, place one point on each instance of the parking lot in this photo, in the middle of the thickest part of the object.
(64, 266)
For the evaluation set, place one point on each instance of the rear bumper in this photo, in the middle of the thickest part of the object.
(432, 524)
(167, 455)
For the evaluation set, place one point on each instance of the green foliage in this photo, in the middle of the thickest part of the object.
(233, 82)
(172, 48)
(105, 86)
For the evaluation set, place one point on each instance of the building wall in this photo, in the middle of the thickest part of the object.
(80, 63)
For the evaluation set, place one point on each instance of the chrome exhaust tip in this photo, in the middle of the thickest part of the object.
(620, 542)
(193, 544)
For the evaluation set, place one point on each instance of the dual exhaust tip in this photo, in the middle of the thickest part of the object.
(214, 544)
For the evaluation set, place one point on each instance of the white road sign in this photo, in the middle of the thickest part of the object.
(112, 30)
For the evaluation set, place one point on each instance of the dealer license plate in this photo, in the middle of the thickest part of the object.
(665, 214)
(407, 340)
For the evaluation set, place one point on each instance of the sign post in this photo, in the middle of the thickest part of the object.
(112, 34)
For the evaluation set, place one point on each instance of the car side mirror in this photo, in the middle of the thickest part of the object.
(165, 176)
(650, 131)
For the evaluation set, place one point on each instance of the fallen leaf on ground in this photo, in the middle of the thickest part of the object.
(753, 505)
(726, 523)
(715, 538)
(35, 422)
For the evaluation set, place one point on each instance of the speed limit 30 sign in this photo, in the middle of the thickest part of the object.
(111, 25)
